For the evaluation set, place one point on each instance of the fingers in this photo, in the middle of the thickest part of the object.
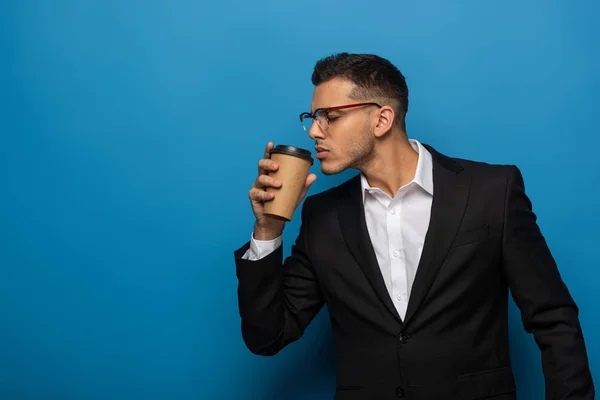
(258, 191)
(265, 166)
(266, 156)
(257, 195)
(265, 181)
(268, 150)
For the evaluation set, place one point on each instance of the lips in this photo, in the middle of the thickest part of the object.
(321, 152)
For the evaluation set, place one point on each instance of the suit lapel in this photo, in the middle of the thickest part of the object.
(451, 190)
(351, 216)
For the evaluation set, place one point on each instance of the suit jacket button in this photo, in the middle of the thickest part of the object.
(400, 391)
(403, 338)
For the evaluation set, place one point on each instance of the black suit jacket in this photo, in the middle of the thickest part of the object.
(453, 343)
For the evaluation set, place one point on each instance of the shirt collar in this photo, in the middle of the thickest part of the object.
(423, 174)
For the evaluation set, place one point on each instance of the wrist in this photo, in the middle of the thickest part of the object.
(266, 233)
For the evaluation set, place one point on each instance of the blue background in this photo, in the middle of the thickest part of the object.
(129, 136)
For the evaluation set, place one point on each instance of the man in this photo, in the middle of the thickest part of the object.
(414, 257)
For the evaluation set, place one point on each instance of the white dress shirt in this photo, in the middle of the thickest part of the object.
(397, 228)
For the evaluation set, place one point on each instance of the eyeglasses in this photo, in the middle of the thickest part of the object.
(321, 115)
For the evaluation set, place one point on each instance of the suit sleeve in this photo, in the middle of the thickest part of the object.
(547, 308)
(277, 300)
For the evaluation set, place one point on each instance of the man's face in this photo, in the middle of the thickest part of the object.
(348, 141)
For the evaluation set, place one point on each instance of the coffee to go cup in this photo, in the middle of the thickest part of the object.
(294, 164)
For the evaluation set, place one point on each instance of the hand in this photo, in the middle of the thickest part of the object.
(265, 227)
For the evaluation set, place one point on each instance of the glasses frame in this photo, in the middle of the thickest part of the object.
(326, 112)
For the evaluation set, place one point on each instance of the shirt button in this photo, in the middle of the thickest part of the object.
(400, 391)
(396, 253)
(393, 211)
(403, 338)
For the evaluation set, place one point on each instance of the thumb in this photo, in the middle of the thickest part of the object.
(310, 179)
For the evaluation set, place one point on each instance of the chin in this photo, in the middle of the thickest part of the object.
(330, 168)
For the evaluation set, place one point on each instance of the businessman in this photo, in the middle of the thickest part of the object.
(414, 257)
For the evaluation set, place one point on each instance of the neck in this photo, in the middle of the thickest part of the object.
(393, 165)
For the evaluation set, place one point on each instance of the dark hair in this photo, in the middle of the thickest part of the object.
(375, 78)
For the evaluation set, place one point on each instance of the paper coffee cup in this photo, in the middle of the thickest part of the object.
(294, 164)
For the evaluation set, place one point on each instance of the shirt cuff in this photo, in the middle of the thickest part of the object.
(261, 248)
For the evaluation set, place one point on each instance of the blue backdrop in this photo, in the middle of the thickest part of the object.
(129, 136)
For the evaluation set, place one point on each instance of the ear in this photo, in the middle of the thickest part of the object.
(384, 121)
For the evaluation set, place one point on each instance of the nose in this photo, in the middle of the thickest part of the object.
(315, 131)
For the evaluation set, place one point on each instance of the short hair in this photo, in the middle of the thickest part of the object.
(375, 78)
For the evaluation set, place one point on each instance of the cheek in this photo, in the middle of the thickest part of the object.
(346, 132)
(348, 137)
(348, 125)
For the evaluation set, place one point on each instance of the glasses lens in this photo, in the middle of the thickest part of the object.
(307, 121)
(321, 118)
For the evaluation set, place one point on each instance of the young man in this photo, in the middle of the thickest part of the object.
(414, 257)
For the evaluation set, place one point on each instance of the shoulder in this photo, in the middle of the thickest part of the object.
(486, 178)
(487, 170)
(478, 169)
(502, 176)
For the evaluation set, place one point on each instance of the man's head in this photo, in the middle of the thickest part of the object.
(349, 135)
